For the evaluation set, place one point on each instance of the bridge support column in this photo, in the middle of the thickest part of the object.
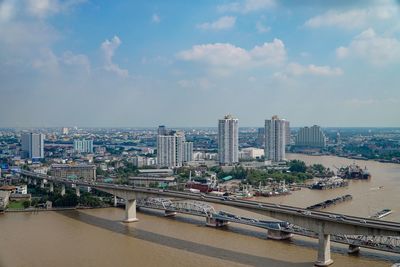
(29, 180)
(62, 189)
(51, 189)
(42, 183)
(324, 250)
(278, 234)
(34, 182)
(115, 201)
(170, 213)
(130, 210)
(215, 222)
(77, 191)
(353, 249)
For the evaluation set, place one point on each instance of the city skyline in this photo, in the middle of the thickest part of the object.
(126, 64)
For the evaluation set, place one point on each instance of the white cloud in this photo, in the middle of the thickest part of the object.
(296, 69)
(247, 6)
(378, 50)
(155, 18)
(44, 8)
(355, 18)
(7, 10)
(225, 55)
(108, 47)
(68, 58)
(222, 23)
(261, 28)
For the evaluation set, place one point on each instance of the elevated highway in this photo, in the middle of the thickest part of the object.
(323, 223)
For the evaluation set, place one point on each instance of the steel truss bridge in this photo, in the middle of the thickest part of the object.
(383, 243)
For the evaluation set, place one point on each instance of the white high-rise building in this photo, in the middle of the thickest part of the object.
(171, 149)
(83, 146)
(33, 145)
(228, 140)
(275, 139)
(311, 137)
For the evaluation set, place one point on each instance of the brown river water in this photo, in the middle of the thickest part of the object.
(98, 238)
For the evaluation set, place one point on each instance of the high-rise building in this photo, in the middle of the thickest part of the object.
(275, 139)
(83, 146)
(287, 132)
(260, 137)
(162, 130)
(172, 149)
(311, 137)
(228, 140)
(33, 145)
(187, 151)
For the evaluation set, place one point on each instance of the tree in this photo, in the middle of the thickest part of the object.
(297, 166)
(26, 204)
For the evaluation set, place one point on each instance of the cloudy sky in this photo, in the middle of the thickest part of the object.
(187, 63)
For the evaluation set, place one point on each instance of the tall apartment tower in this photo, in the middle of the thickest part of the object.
(228, 140)
(162, 130)
(275, 139)
(311, 137)
(83, 146)
(287, 132)
(187, 151)
(33, 145)
(172, 149)
(260, 137)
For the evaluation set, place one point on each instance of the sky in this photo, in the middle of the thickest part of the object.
(126, 63)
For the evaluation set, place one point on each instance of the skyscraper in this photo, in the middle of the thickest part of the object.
(187, 151)
(275, 139)
(228, 140)
(287, 132)
(162, 130)
(83, 146)
(172, 149)
(311, 137)
(33, 145)
(260, 137)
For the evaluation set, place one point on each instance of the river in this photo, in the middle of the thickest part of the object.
(98, 238)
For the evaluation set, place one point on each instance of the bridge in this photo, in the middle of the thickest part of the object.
(324, 224)
(276, 229)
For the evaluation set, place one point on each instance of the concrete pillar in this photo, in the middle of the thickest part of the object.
(353, 249)
(115, 201)
(63, 189)
(34, 182)
(42, 183)
(78, 193)
(169, 213)
(324, 250)
(130, 210)
(29, 180)
(215, 222)
(278, 234)
(51, 187)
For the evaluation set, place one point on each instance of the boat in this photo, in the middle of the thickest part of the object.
(203, 184)
(381, 214)
(354, 171)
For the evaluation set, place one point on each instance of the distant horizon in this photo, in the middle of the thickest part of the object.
(190, 127)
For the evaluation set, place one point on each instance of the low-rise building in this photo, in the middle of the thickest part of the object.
(71, 171)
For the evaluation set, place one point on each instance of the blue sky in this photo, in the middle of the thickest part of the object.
(187, 63)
